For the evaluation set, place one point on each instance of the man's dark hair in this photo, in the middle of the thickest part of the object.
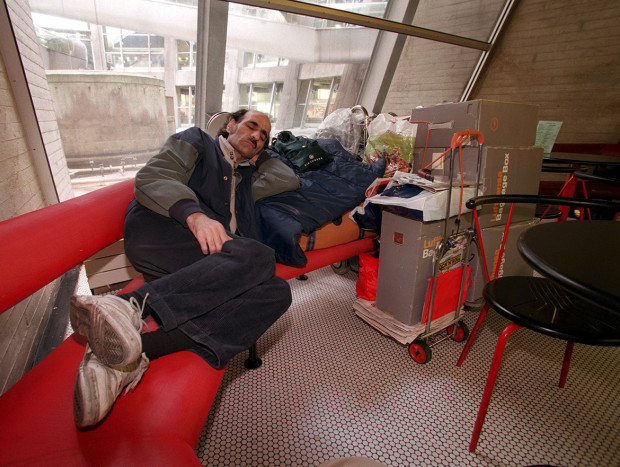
(236, 116)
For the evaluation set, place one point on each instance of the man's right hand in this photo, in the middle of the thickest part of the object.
(210, 234)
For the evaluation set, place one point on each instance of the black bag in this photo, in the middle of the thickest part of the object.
(305, 154)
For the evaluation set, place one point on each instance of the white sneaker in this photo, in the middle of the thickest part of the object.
(111, 325)
(97, 386)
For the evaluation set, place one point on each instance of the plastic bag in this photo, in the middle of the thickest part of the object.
(446, 293)
(366, 285)
(342, 125)
(392, 138)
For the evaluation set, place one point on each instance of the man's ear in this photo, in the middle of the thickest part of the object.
(230, 125)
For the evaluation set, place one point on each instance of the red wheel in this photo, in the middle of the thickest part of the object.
(462, 332)
(420, 351)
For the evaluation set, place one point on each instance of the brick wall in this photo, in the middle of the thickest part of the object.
(561, 56)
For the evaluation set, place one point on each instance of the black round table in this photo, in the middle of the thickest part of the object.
(581, 159)
(581, 256)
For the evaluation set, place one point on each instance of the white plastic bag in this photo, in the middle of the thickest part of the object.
(428, 200)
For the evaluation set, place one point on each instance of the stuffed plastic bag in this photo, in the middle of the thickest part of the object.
(343, 125)
(391, 138)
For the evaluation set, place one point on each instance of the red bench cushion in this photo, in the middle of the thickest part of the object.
(171, 402)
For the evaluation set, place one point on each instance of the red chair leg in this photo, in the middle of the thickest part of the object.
(566, 363)
(567, 191)
(488, 389)
(473, 334)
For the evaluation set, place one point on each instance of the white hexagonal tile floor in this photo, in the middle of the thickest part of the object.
(331, 387)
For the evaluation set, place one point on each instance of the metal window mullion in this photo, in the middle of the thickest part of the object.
(190, 99)
(305, 112)
(122, 51)
(501, 20)
(191, 55)
(148, 49)
(343, 16)
(329, 98)
(273, 97)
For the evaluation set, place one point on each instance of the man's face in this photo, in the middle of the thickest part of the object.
(249, 135)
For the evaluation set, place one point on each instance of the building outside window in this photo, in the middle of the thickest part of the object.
(185, 106)
(127, 50)
(315, 101)
(254, 60)
(264, 97)
(186, 55)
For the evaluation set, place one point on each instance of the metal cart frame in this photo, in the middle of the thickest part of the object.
(456, 329)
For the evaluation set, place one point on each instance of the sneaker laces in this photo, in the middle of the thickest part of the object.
(144, 327)
(142, 366)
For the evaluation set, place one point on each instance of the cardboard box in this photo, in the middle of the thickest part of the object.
(502, 171)
(512, 263)
(406, 265)
(501, 123)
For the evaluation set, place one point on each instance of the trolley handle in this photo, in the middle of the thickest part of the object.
(461, 136)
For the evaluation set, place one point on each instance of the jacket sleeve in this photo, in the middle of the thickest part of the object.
(272, 176)
(163, 181)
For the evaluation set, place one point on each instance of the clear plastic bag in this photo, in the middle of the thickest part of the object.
(345, 126)
(391, 138)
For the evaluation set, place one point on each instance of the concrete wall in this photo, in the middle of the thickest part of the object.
(561, 56)
(21, 187)
(103, 117)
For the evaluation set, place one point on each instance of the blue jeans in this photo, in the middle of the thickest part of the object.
(223, 301)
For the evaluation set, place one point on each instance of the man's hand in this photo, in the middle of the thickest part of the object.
(210, 234)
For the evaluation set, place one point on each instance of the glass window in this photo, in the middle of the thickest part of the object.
(186, 55)
(132, 50)
(254, 60)
(186, 106)
(112, 121)
(315, 101)
(264, 97)
(300, 70)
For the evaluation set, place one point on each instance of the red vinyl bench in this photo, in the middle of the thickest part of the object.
(158, 424)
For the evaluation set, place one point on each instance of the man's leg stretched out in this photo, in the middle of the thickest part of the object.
(217, 307)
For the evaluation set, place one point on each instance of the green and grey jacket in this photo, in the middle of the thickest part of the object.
(190, 175)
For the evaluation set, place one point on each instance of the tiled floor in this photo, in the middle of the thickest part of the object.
(331, 386)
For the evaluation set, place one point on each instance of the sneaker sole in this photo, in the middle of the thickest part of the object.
(85, 399)
(111, 336)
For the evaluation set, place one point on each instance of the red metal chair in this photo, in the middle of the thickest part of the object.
(539, 304)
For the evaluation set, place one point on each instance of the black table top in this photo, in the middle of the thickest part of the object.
(581, 159)
(582, 256)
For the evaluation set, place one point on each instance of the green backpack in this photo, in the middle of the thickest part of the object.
(305, 154)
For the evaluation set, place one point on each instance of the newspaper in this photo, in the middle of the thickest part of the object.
(389, 326)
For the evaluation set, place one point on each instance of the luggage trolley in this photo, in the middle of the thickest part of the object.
(456, 329)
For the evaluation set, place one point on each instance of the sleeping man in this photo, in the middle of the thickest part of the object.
(191, 232)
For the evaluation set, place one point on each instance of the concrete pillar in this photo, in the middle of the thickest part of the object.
(350, 83)
(211, 56)
(288, 100)
(231, 80)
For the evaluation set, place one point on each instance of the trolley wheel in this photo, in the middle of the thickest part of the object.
(462, 332)
(341, 267)
(420, 351)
